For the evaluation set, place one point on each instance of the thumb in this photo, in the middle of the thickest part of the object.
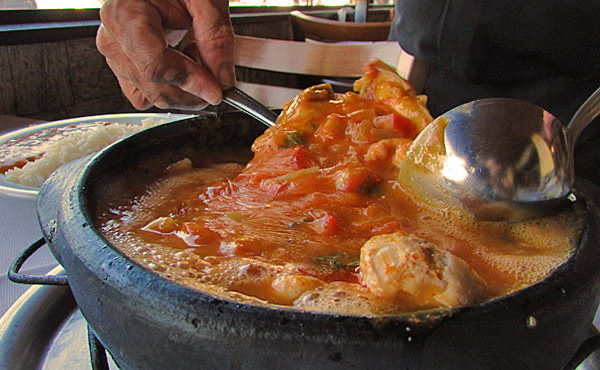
(214, 38)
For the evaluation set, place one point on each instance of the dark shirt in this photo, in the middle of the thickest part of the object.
(545, 52)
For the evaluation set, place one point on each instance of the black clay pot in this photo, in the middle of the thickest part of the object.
(148, 322)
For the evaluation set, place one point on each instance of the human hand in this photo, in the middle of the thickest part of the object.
(133, 40)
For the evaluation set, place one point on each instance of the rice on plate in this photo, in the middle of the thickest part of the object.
(79, 143)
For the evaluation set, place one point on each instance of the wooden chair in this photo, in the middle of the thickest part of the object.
(331, 30)
(327, 60)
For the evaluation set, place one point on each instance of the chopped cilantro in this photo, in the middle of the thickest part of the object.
(369, 186)
(292, 139)
(339, 261)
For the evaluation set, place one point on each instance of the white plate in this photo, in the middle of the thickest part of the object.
(14, 189)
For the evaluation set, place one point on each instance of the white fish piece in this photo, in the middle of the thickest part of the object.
(417, 273)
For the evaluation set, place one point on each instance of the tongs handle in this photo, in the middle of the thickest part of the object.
(244, 102)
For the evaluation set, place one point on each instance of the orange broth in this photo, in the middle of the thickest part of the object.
(322, 182)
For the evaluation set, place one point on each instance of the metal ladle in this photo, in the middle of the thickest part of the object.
(502, 159)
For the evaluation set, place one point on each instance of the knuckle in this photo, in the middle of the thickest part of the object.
(150, 71)
(107, 12)
(223, 36)
(155, 71)
(104, 43)
(219, 36)
(166, 70)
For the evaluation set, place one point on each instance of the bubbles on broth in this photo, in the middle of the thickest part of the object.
(337, 298)
(508, 256)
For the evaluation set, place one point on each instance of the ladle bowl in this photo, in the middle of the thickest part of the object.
(502, 159)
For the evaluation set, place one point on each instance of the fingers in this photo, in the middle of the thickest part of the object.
(172, 100)
(134, 95)
(214, 37)
(140, 91)
(133, 41)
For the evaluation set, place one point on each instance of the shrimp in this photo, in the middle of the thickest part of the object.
(382, 83)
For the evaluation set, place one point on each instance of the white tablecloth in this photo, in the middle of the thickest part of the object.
(18, 229)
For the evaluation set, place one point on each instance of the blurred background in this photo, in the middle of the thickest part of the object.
(83, 4)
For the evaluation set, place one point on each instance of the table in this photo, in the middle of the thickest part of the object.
(19, 229)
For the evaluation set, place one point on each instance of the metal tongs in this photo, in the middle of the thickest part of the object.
(244, 102)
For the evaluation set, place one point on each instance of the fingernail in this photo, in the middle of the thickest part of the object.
(227, 75)
(161, 104)
(213, 97)
(199, 106)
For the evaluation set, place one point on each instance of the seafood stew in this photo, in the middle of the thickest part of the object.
(318, 221)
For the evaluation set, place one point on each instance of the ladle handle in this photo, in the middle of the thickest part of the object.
(240, 100)
(588, 111)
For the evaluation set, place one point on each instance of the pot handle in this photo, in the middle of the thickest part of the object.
(16, 277)
(589, 346)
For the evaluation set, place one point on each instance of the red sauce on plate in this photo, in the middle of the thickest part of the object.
(18, 151)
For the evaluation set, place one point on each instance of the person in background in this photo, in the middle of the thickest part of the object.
(543, 52)
(547, 53)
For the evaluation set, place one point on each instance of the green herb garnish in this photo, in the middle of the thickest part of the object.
(292, 139)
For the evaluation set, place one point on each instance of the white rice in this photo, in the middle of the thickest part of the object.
(74, 146)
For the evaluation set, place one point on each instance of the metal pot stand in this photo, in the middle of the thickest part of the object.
(45, 330)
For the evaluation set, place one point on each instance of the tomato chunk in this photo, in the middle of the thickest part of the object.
(395, 122)
(358, 179)
(325, 225)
